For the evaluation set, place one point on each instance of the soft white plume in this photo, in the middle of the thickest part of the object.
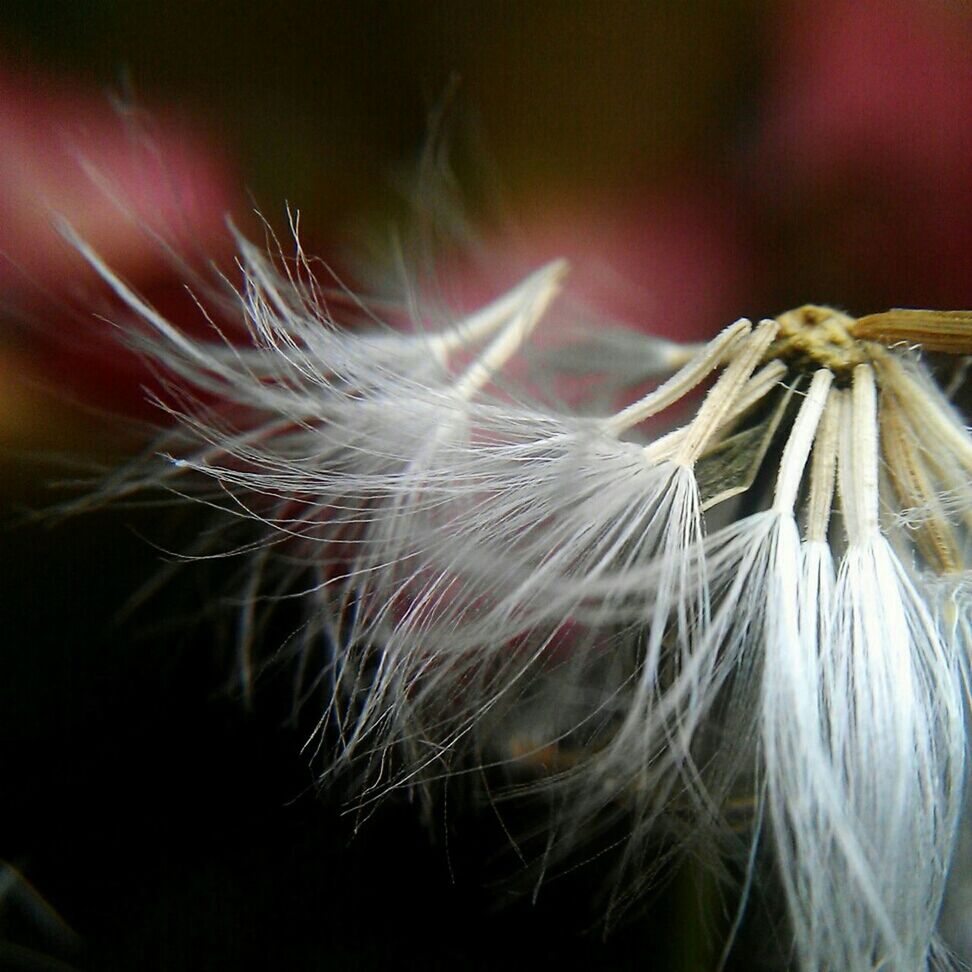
(493, 581)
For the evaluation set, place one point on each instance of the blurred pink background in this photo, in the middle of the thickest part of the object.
(695, 164)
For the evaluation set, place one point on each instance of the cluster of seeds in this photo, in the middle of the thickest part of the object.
(766, 603)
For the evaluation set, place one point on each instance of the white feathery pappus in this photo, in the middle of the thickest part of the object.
(645, 619)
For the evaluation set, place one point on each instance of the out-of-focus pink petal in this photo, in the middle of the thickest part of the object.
(125, 181)
(885, 85)
(112, 176)
(867, 141)
(674, 262)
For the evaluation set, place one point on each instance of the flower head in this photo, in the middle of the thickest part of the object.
(768, 602)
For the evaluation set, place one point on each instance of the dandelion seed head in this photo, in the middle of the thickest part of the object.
(819, 337)
(762, 604)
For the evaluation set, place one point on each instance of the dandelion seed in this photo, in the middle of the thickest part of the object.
(766, 604)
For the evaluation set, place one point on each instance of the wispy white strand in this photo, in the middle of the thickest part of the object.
(800, 440)
(483, 597)
(549, 537)
(756, 389)
(296, 347)
(885, 768)
(952, 601)
(493, 581)
(820, 496)
(688, 377)
(720, 400)
(755, 569)
(861, 724)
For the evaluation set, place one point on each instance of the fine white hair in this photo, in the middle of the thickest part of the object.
(497, 582)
